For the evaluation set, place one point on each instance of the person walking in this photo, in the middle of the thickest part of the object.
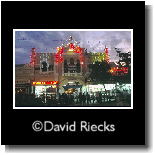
(93, 98)
(88, 98)
(83, 99)
(80, 98)
(100, 98)
(97, 97)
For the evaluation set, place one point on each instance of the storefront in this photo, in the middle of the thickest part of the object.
(70, 89)
(107, 87)
(44, 88)
(23, 88)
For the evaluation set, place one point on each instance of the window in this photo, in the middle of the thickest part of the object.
(52, 67)
(65, 67)
(44, 66)
(71, 61)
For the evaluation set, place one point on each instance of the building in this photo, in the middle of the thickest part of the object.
(23, 76)
(54, 73)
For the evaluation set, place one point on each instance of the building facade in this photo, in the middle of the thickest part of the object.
(56, 72)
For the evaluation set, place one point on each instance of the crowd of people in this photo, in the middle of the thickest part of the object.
(81, 99)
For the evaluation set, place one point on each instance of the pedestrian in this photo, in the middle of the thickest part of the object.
(88, 98)
(83, 99)
(100, 98)
(80, 98)
(106, 95)
(65, 98)
(97, 97)
(93, 98)
(72, 99)
(61, 99)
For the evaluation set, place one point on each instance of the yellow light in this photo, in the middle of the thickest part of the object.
(53, 86)
(38, 82)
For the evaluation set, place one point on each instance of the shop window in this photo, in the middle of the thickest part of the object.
(71, 61)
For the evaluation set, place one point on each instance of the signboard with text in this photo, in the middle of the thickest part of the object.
(44, 82)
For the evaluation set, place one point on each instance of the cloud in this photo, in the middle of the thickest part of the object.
(49, 40)
(20, 50)
(125, 45)
(21, 56)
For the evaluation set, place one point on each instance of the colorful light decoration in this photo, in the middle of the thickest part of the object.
(44, 82)
(72, 48)
(113, 70)
(58, 55)
(33, 57)
(78, 50)
(97, 57)
(106, 55)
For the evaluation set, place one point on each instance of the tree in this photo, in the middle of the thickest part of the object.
(100, 72)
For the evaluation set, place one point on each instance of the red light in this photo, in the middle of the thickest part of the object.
(44, 82)
(122, 69)
(71, 46)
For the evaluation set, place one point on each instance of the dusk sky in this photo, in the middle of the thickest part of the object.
(47, 41)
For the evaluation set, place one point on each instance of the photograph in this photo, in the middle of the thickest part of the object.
(73, 68)
(74, 80)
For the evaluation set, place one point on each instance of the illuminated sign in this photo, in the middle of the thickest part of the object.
(119, 69)
(44, 82)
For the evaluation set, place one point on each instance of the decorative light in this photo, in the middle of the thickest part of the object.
(53, 86)
(72, 48)
(44, 82)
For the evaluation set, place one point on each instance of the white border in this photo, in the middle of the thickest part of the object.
(14, 30)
